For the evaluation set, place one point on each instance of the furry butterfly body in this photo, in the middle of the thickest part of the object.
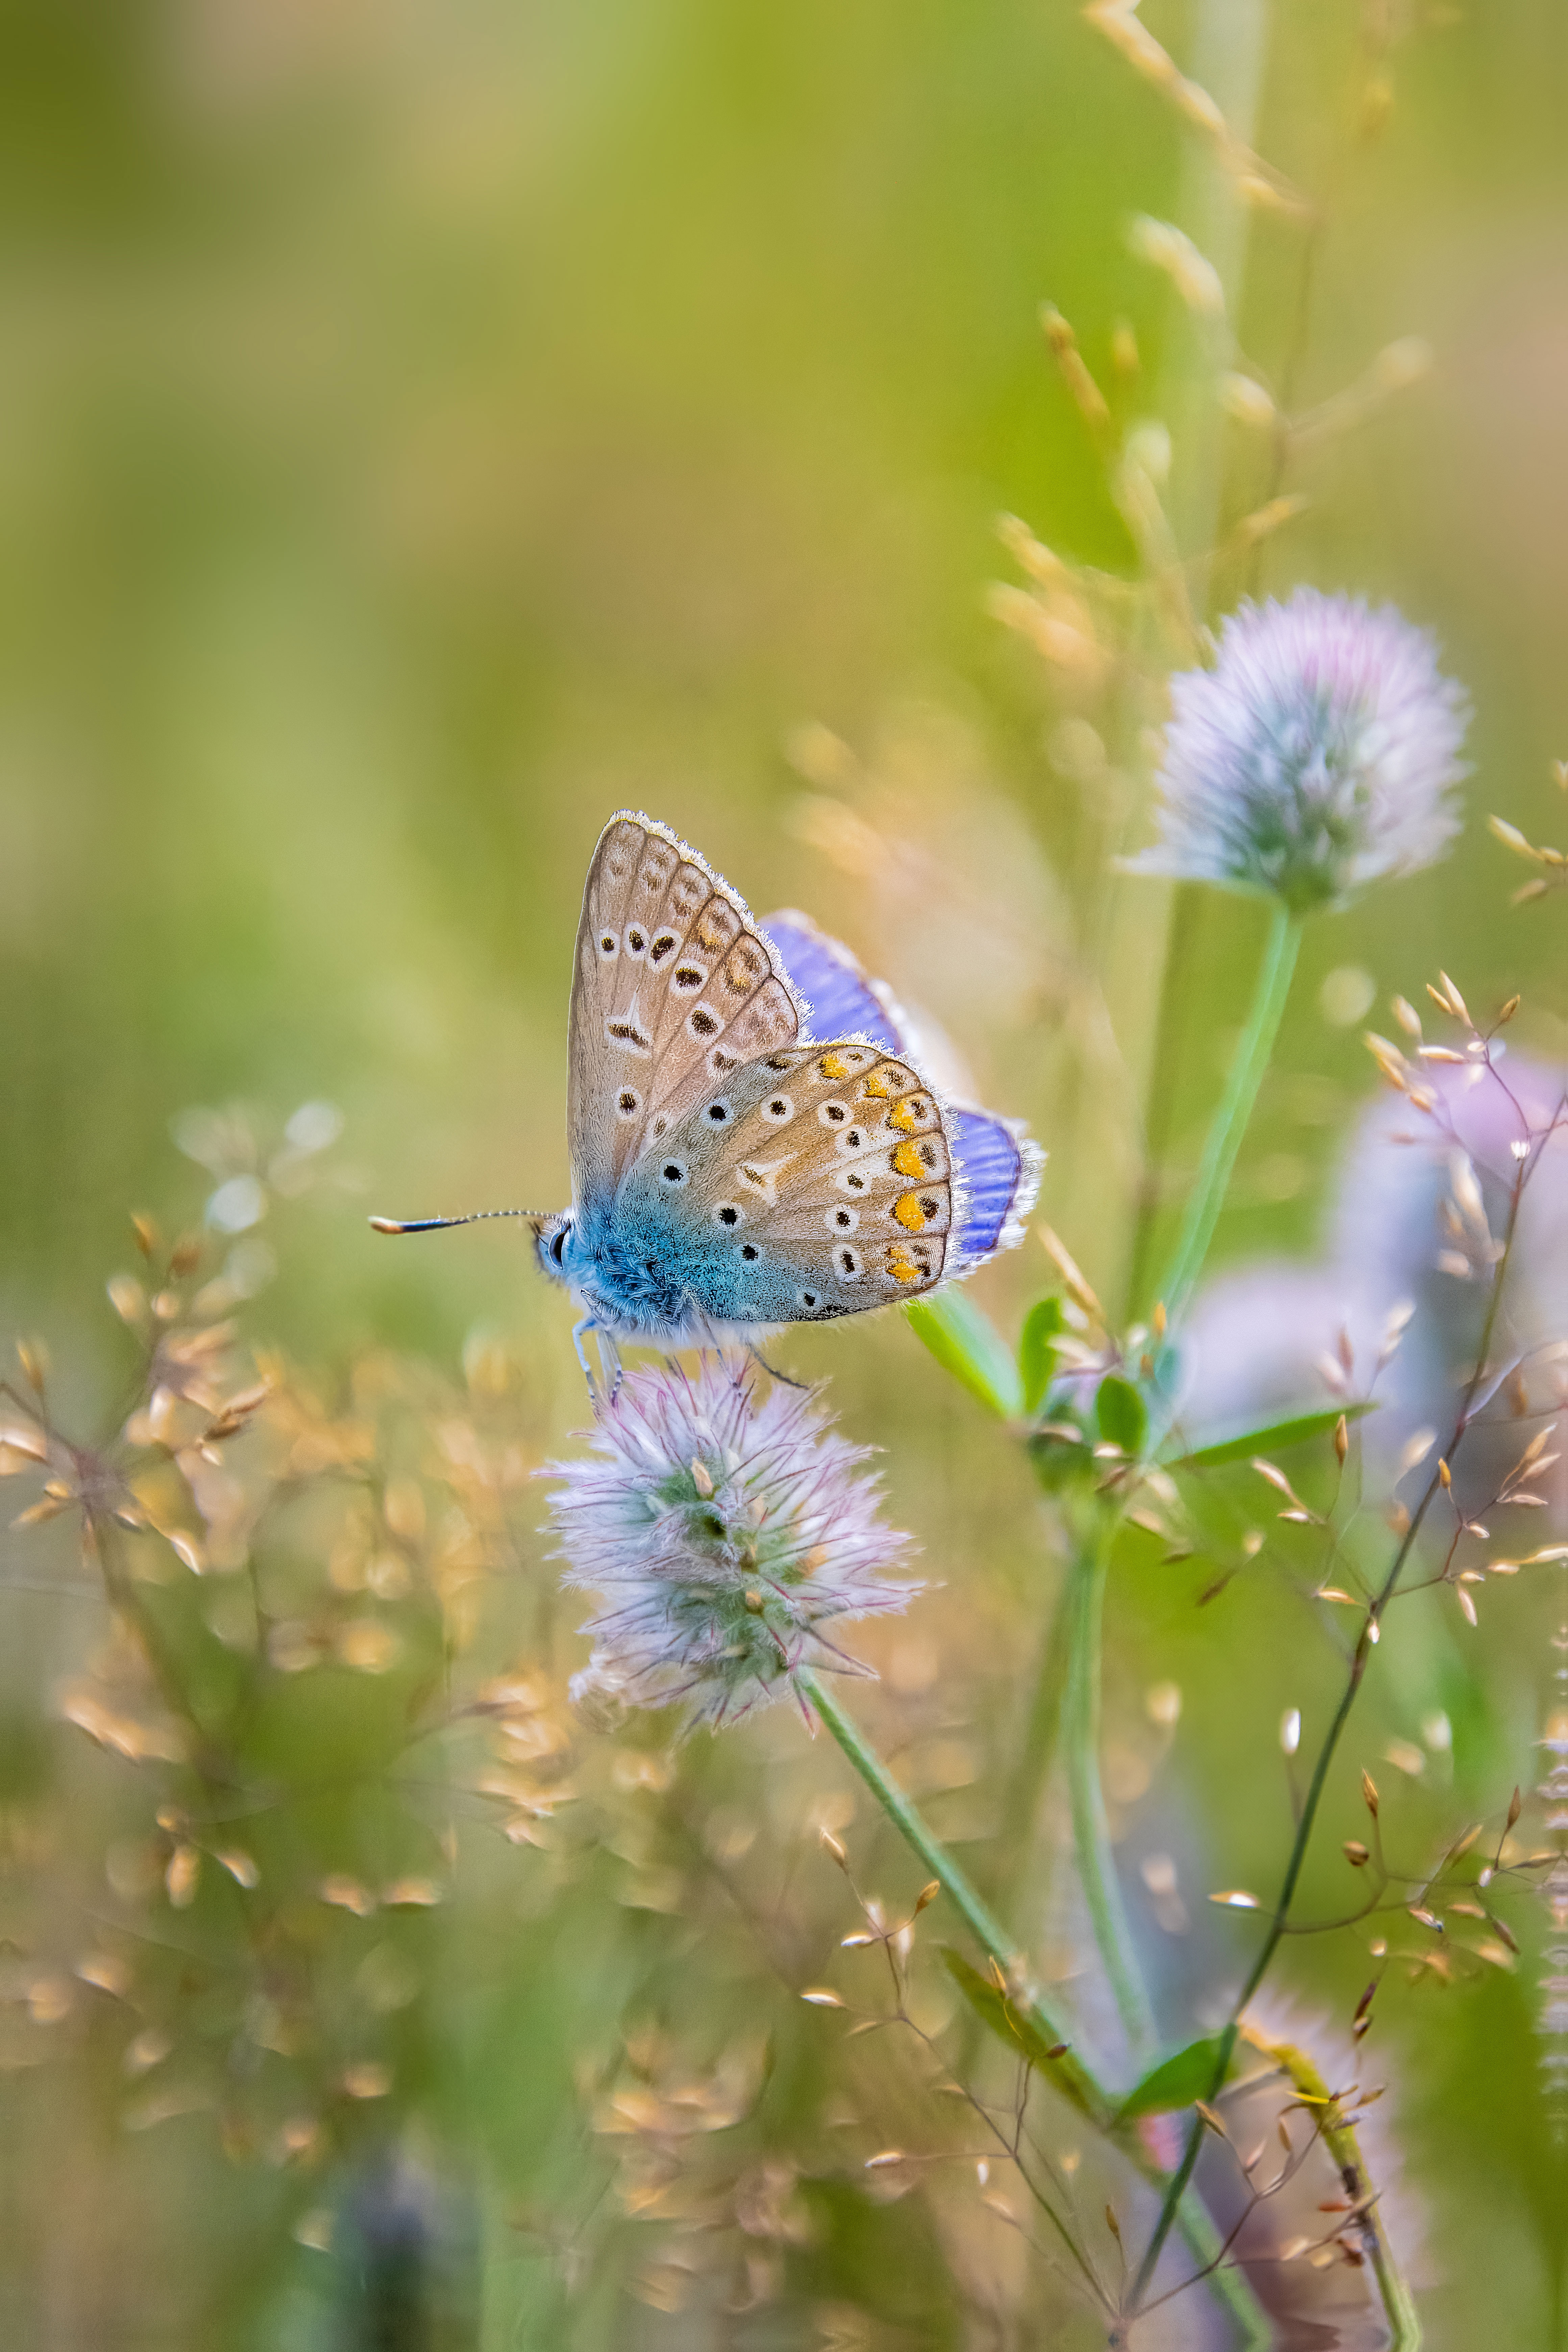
(739, 1159)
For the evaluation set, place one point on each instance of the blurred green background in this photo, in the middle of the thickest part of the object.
(424, 430)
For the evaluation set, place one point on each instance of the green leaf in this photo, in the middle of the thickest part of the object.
(970, 1348)
(1004, 2016)
(1271, 1440)
(1121, 1414)
(1175, 2082)
(1036, 1350)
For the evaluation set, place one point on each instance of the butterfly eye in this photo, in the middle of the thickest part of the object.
(673, 1172)
(557, 1246)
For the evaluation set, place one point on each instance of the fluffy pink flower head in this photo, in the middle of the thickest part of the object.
(1318, 754)
(725, 1530)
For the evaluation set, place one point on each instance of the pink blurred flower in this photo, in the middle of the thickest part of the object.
(1269, 1338)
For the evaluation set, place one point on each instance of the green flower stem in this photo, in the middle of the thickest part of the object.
(1070, 2076)
(1091, 1835)
(1230, 1120)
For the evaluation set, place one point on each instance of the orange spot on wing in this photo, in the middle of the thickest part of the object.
(910, 1115)
(902, 1267)
(834, 1067)
(907, 1160)
(908, 1212)
(878, 1082)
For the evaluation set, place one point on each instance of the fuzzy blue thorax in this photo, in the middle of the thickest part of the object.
(642, 1271)
(629, 1278)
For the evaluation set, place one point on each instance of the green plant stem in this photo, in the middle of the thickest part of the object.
(1069, 2075)
(1091, 1834)
(1230, 1120)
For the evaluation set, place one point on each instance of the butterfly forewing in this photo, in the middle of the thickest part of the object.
(673, 991)
(812, 1183)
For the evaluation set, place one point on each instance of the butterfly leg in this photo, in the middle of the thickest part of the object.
(609, 1379)
(579, 1333)
(772, 1370)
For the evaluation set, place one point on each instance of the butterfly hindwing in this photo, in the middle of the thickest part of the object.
(1001, 1171)
(999, 1166)
(814, 1182)
(673, 989)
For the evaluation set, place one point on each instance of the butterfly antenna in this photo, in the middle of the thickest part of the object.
(439, 1224)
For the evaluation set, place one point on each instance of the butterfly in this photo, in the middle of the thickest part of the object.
(753, 1141)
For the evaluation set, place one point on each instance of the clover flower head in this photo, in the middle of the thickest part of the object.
(1318, 754)
(726, 1529)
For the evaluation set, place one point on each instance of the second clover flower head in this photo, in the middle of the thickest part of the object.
(726, 1531)
(1318, 754)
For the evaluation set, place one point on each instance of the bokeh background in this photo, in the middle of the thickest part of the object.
(426, 430)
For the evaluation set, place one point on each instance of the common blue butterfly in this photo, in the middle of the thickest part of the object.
(752, 1140)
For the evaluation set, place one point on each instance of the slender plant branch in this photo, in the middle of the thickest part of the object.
(1230, 1120)
(1371, 1626)
(1087, 1575)
(1069, 2073)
